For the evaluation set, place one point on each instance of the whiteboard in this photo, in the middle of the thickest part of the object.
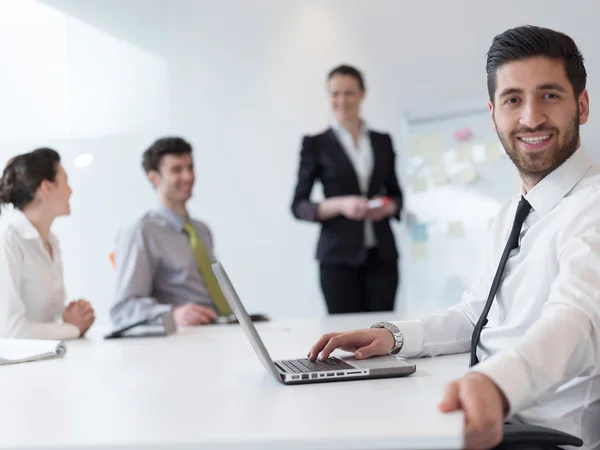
(456, 176)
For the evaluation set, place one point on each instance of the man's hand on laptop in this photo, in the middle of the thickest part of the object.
(484, 407)
(363, 343)
(191, 314)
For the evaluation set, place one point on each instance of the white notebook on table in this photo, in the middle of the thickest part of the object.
(14, 351)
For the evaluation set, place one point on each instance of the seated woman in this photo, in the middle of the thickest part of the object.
(32, 292)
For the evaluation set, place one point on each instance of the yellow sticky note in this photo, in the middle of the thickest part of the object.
(456, 229)
(419, 185)
(464, 153)
(435, 143)
(493, 152)
(434, 157)
(439, 178)
(468, 176)
(419, 250)
(415, 146)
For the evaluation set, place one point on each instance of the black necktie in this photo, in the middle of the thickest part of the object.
(513, 242)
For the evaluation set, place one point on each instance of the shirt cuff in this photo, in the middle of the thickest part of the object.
(413, 332)
(71, 331)
(161, 309)
(307, 210)
(511, 375)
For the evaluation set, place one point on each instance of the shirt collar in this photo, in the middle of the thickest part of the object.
(339, 128)
(172, 217)
(557, 184)
(22, 225)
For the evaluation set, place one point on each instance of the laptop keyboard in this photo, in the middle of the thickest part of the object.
(305, 365)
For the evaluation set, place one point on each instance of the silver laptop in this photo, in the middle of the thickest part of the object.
(299, 371)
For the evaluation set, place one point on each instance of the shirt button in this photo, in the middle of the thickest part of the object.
(502, 317)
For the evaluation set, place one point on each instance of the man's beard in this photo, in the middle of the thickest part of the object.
(537, 166)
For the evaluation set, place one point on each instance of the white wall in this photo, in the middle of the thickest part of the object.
(248, 79)
(243, 81)
(83, 91)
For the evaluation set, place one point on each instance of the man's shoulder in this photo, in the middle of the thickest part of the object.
(147, 224)
(585, 197)
(589, 186)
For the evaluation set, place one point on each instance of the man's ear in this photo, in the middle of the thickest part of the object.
(154, 178)
(491, 108)
(584, 107)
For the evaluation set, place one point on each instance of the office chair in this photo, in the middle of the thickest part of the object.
(518, 436)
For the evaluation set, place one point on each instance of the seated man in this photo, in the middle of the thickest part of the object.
(532, 315)
(163, 261)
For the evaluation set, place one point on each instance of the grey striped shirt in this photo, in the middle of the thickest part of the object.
(156, 268)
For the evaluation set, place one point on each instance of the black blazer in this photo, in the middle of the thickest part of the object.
(323, 158)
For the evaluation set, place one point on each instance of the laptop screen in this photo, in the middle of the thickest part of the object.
(240, 312)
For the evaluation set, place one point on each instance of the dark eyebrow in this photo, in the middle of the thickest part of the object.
(540, 87)
(510, 91)
(550, 87)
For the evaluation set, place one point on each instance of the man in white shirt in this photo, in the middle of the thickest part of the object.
(539, 320)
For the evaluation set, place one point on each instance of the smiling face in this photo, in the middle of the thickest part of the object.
(537, 115)
(174, 181)
(346, 95)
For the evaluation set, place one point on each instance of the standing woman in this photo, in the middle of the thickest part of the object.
(356, 250)
(32, 293)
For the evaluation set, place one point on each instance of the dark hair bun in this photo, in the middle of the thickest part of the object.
(7, 185)
(24, 174)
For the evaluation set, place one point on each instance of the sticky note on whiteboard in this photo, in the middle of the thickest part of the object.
(468, 176)
(435, 143)
(434, 157)
(493, 152)
(415, 146)
(439, 178)
(419, 185)
(463, 134)
(418, 232)
(456, 229)
(419, 251)
(464, 153)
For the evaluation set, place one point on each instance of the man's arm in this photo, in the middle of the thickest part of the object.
(135, 269)
(563, 343)
(449, 331)
(446, 332)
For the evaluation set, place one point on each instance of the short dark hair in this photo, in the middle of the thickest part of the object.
(24, 173)
(529, 41)
(349, 71)
(162, 147)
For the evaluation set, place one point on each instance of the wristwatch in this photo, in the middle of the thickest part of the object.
(398, 336)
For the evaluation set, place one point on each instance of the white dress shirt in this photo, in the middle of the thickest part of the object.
(541, 345)
(32, 293)
(361, 157)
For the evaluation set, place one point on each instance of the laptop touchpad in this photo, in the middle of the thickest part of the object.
(376, 362)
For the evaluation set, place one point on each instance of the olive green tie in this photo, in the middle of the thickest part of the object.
(203, 261)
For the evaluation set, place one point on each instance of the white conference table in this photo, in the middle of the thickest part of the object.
(204, 388)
